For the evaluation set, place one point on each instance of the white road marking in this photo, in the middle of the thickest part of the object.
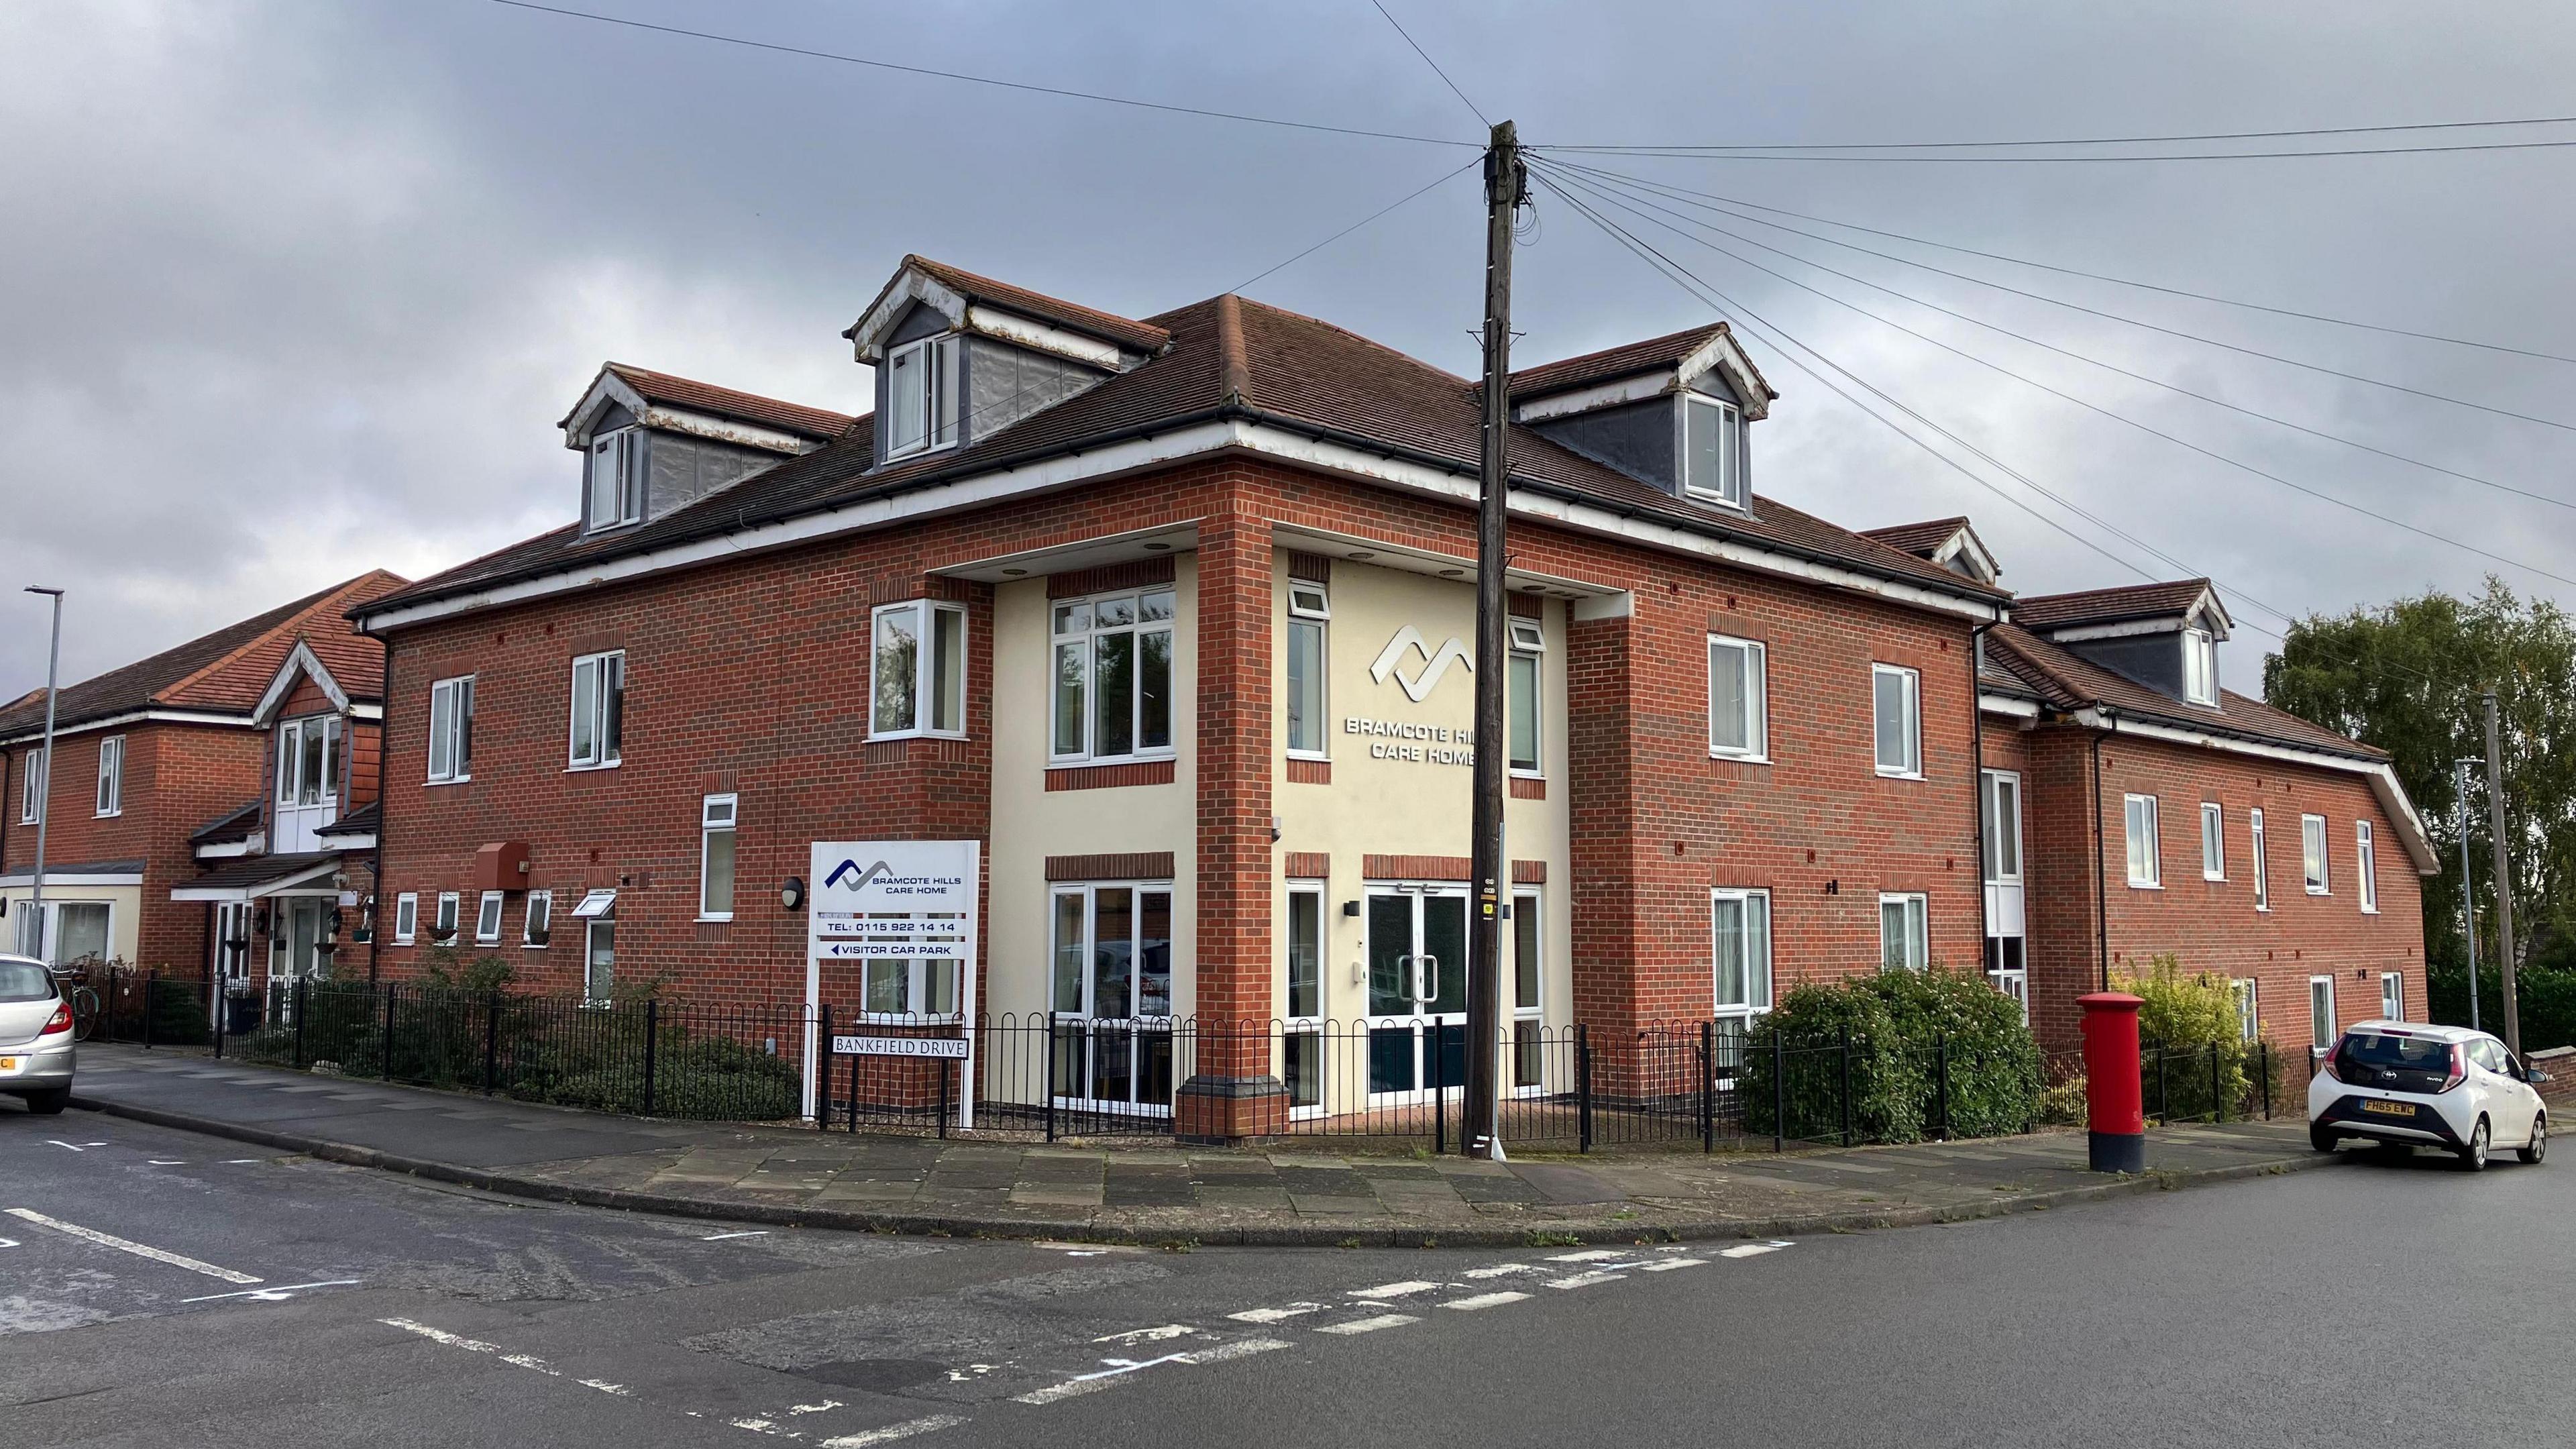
(278, 1294)
(1751, 1250)
(1585, 1280)
(168, 1161)
(1394, 1290)
(813, 1408)
(110, 1240)
(1500, 1269)
(1148, 1335)
(1275, 1315)
(1240, 1348)
(1119, 1368)
(8, 1242)
(721, 1237)
(516, 1360)
(1370, 1325)
(1484, 1300)
(67, 1147)
(1669, 1264)
(1593, 1255)
(237, 1161)
(891, 1432)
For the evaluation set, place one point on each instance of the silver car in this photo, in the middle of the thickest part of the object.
(35, 1035)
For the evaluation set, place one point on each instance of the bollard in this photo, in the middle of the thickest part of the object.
(2115, 1112)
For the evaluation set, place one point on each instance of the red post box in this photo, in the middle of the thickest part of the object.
(2115, 1105)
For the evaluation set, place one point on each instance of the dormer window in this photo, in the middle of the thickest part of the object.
(2199, 666)
(1712, 450)
(616, 483)
(921, 396)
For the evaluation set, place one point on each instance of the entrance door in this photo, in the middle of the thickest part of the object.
(295, 941)
(1113, 996)
(1417, 990)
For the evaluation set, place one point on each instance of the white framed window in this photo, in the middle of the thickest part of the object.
(232, 941)
(614, 485)
(2261, 860)
(111, 775)
(2249, 1008)
(1521, 695)
(451, 730)
(308, 760)
(2392, 996)
(1112, 694)
(2199, 666)
(1529, 984)
(2365, 866)
(1712, 450)
(1739, 958)
(1904, 931)
(716, 820)
(917, 670)
(2321, 1014)
(1113, 950)
(1301, 1043)
(2002, 808)
(2213, 842)
(1739, 725)
(2312, 853)
(442, 929)
(921, 396)
(2145, 859)
(31, 787)
(1896, 708)
(487, 919)
(599, 959)
(598, 710)
(920, 975)
(1310, 613)
(536, 928)
(406, 917)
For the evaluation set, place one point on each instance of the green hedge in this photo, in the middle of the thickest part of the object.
(1900, 1027)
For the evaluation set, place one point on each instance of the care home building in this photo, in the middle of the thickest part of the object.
(146, 758)
(1170, 614)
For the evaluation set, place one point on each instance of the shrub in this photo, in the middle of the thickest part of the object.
(2188, 1024)
(1901, 1024)
(1993, 1062)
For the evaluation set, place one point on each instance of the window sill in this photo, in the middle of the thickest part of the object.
(887, 736)
(1736, 759)
(2370, 910)
(2314, 891)
(450, 780)
(2263, 910)
(402, 940)
(593, 769)
(2213, 879)
(534, 945)
(715, 916)
(481, 941)
(1900, 774)
(107, 814)
(2146, 885)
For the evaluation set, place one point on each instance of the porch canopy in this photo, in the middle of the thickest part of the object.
(260, 877)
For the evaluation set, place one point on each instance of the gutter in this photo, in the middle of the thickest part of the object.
(375, 908)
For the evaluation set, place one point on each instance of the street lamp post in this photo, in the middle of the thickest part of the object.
(2468, 889)
(45, 785)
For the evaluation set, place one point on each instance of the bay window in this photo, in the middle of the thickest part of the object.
(917, 669)
(1112, 695)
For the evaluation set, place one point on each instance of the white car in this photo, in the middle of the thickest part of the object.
(2408, 1084)
(35, 1035)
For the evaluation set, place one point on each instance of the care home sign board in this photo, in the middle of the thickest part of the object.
(897, 902)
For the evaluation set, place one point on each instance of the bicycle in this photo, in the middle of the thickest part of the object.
(74, 985)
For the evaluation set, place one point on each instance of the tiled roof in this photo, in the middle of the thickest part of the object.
(1919, 539)
(2108, 606)
(224, 672)
(361, 821)
(21, 872)
(819, 424)
(2064, 680)
(259, 870)
(237, 824)
(1229, 357)
(1625, 360)
(1135, 336)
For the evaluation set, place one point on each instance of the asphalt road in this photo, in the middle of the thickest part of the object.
(2376, 1303)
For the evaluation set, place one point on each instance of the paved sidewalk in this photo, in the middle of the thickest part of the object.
(1305, 1194)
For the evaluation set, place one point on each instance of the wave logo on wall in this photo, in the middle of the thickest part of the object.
(851, 868)
(1418, 686)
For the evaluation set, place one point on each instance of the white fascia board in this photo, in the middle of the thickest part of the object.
(1639, 388)
(301, 660)
(1620, 605)
(136, 716)
(2007, 704)
(1722, 353)
(297, 884)
(867, 335)
(2381, 775)
(53, 878)
(607, 388)
(1142, 453)
(367, 711)
(358, 840)
(2132, 629)
(1028, 332)
(723, 430)
(1965, 542)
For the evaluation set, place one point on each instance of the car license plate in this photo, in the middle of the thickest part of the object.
(8, 1064)
(2389, 1109)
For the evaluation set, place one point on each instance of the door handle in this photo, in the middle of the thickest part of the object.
(1426, 979)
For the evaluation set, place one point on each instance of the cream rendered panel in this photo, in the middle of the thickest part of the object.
(1377, 806)
(124, 918)
(1030, 823)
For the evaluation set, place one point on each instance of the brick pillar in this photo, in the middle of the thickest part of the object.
(1602, 805)
(1232, 1091)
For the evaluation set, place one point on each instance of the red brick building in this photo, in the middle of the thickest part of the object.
(148, 756)
(1168, 614)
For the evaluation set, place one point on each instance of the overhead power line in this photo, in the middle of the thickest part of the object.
(2275, 478)
(2083, 357)
(1471, 106)
(2176, 332)
(1669, 189)
(2089, 159)
(1431, 185)
(981, 80)
(2111, 140)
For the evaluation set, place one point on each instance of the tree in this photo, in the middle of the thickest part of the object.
(2407, 677)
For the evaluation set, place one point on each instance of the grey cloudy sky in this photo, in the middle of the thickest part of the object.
(294, 290)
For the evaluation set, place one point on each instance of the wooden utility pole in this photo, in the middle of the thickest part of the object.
(1504, 181)
(2503, 880)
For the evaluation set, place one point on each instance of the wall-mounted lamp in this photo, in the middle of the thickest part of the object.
(792, 893)
(1350, 908)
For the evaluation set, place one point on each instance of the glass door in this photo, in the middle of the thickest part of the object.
(1417, 991)
(1113, 996)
